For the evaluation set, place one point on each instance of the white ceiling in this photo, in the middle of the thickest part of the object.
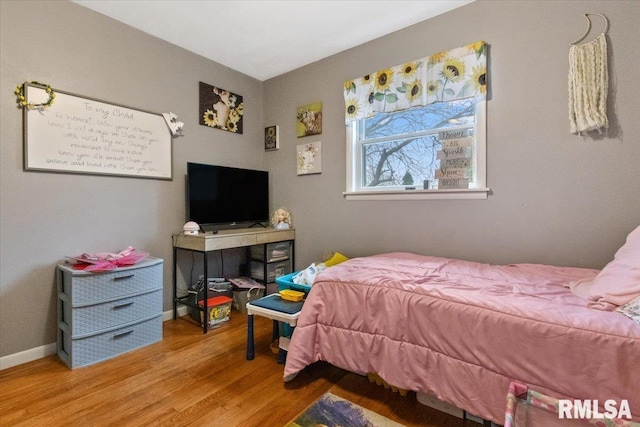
(264, 39)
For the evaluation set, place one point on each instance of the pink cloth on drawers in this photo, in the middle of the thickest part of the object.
(463, 331)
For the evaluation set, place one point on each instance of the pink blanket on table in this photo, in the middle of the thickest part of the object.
(463, 331)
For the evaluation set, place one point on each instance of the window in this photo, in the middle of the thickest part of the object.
(389, 153)
(419, 126)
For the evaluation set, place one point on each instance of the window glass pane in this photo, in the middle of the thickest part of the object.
(401, 148)
(432, 116)
(400, 161)
(443, 143)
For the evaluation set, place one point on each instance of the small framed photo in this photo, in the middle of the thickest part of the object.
(309, 119)
(271, 138)
(309, 158)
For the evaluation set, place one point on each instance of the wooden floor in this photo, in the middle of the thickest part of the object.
(192, 379)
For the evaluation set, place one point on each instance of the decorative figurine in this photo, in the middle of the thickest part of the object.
(281, 219)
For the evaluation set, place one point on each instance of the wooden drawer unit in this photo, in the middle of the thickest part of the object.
(102, 315)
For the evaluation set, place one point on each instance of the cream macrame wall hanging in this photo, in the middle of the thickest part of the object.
(588, 82)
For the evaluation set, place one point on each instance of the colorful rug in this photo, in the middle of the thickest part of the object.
(333, 411)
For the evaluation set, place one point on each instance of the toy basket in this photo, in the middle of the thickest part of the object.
(242, 296)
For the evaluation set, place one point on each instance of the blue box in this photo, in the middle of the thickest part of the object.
(286, 282)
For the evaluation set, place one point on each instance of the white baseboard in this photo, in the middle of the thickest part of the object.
(168, 315)
(32, 354)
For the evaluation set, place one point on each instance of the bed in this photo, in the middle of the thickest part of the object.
(463, 331)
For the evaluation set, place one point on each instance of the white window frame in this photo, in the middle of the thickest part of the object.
(478, 191)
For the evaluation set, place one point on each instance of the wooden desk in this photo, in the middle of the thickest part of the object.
(224, 239)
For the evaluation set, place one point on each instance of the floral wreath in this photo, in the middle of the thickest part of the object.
(22, 102)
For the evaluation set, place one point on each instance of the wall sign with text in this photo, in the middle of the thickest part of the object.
(87, 136)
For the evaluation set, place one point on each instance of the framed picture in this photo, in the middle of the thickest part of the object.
(309, 158)
(309, 120)
(84, 135)
(272, 138)
(220, 108)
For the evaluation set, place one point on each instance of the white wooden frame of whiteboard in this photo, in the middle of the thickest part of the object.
(165, 139)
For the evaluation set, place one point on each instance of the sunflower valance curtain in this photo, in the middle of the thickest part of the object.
(446, 76)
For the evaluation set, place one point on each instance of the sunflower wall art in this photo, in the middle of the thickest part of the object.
(272, 138)
(220, 108)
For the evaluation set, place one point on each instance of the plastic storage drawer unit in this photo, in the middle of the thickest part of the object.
(102, 315)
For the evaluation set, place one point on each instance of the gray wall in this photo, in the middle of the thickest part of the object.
(45, 216)
(556, 198)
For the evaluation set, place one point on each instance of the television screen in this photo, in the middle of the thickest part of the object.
(220, 195)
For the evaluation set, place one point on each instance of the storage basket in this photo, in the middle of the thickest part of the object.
(242, 296)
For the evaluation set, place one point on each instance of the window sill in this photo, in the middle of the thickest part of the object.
(453, 194)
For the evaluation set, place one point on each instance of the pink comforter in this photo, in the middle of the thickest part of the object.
(464, 330)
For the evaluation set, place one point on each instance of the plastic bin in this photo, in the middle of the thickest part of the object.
(274, 270)
(286, 282)
(275, 252)
(217, 289)
(214, 290)
(218, 311)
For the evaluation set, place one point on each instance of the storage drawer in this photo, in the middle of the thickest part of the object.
(275, 252)
(275, 269)
(91, 288)
(96, 348)
(92, 318)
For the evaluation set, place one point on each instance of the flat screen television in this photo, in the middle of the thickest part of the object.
(225, 196)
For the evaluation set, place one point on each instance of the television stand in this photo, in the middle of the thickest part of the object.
(224, 239)
(257, 224)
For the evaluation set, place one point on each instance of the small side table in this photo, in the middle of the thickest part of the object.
(275, 308)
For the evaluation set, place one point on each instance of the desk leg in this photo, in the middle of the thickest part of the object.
(250, 348)
(175, 285)
(205, 324)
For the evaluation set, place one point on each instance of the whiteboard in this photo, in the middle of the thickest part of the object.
(83, 135)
